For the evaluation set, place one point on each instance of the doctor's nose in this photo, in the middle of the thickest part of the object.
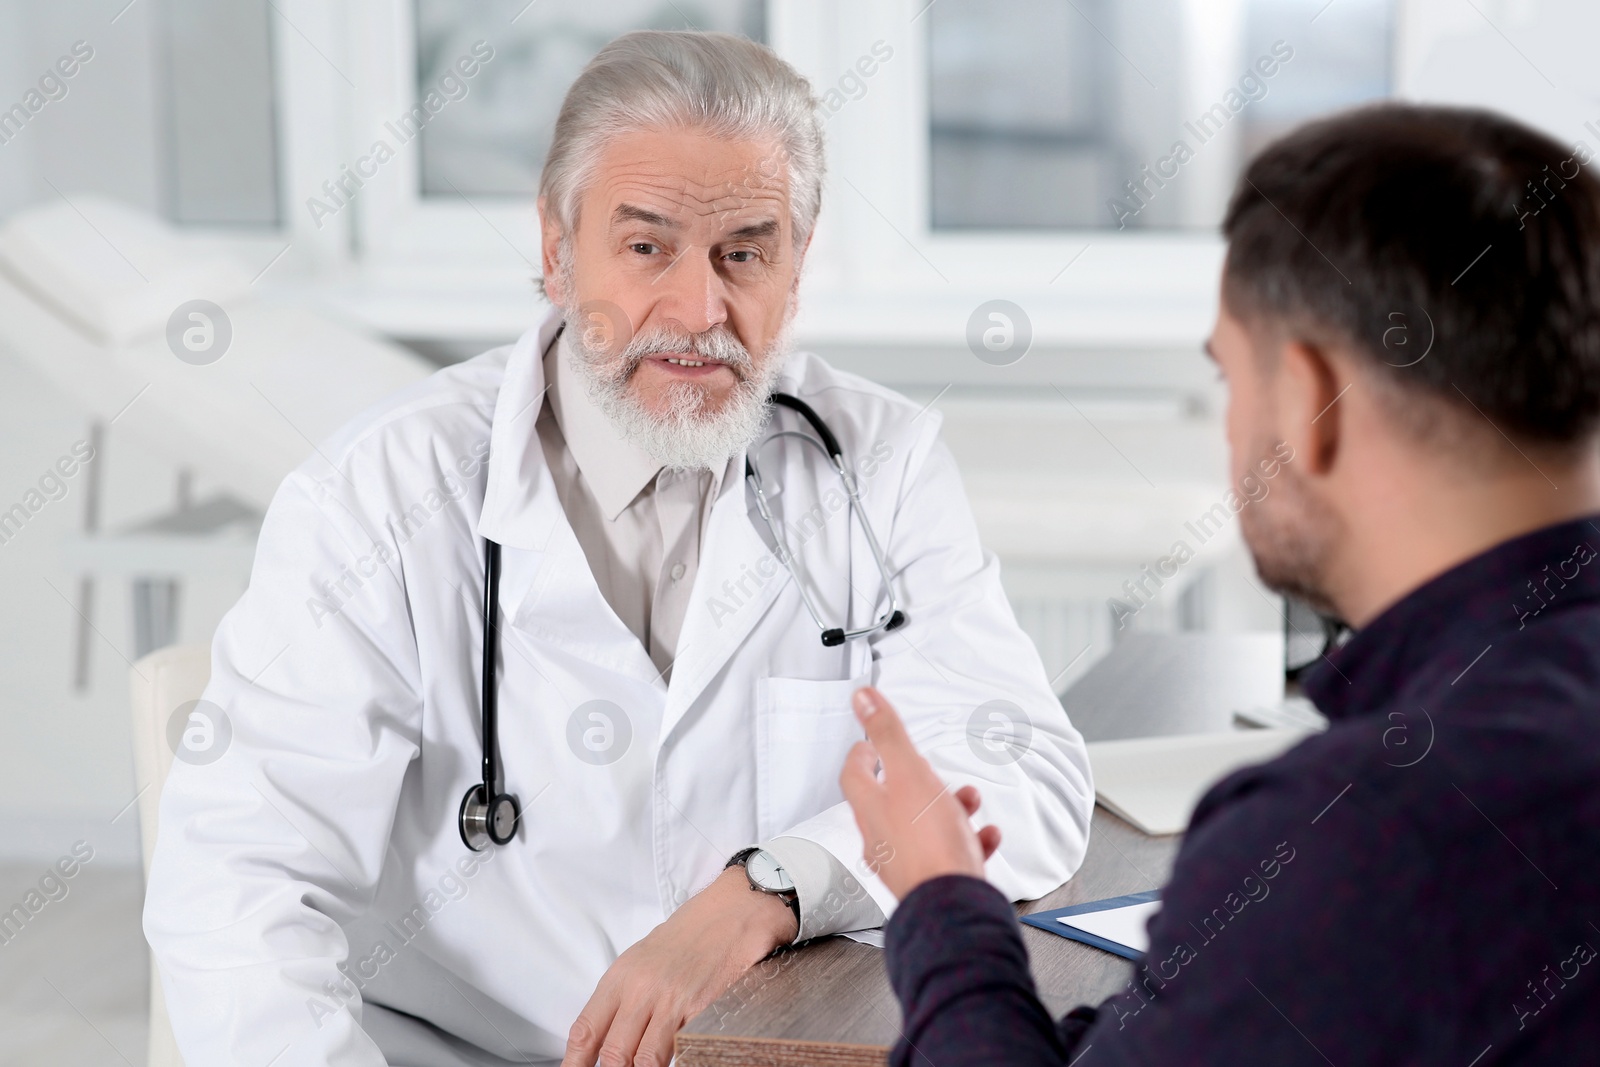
(693, 292)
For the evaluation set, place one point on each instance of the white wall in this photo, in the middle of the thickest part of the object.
(102, 136)
(64, 761)
(1533, 59)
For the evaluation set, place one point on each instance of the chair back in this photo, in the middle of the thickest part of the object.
(163, 681)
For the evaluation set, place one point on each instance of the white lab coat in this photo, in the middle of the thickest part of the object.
(314, 871)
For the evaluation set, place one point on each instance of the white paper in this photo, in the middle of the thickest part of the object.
(873, 937)
(1155, 782)
(1122, 926)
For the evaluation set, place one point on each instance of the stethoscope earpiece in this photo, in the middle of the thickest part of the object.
(836, 636)
(826, 443)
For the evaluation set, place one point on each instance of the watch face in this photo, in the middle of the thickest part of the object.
(764, 871)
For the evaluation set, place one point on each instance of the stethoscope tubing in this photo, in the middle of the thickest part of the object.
(892, 618)
(491, 652)
(477, 818)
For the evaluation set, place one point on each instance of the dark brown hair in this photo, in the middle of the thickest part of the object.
(1404, 230)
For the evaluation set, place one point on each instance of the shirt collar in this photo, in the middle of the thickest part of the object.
(615, 469)
(1458, 616)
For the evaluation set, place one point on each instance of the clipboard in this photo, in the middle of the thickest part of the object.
(1046, 920)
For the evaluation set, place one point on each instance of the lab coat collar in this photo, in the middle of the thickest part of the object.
(517, 475)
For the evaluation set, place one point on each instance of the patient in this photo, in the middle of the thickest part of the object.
(1411, 301)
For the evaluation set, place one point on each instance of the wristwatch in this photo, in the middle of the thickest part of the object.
(766, 875)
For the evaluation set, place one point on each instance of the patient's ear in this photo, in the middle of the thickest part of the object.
(1309, 386)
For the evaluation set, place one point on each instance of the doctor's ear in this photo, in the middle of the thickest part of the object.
(799, 267)
(550, 233)
(1307, 389)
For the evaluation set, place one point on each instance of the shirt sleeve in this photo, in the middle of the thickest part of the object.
(1283, 869)
(958, 964)
(832, 900)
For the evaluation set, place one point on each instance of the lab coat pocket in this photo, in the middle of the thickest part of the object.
(804, 729)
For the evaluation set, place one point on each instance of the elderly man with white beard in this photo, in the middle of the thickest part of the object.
(685, 590)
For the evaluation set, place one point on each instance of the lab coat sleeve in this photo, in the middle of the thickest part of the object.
(263, 851)
(831, 899)
(972, 690)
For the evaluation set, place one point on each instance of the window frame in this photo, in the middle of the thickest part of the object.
(426, 267)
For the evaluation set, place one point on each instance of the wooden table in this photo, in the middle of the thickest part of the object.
(829, 1003)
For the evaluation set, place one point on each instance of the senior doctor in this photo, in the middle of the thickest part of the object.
(669, 718)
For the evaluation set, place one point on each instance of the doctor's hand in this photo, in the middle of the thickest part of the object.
(913, 828)
(671, 975)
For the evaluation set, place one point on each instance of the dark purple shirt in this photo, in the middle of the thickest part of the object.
(1420, 884)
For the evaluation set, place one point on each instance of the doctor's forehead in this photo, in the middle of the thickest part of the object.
(687, 180)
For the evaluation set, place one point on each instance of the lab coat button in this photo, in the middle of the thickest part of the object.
(677, 571)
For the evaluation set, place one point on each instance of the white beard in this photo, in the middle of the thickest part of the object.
(684, 435)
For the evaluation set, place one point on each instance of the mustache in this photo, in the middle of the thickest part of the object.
(717, 344)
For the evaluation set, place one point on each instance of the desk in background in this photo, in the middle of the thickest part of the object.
(830, 1003)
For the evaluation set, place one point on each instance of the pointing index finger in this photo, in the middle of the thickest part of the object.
(883, 725)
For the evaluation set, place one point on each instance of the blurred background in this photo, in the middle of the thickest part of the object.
(227, 226)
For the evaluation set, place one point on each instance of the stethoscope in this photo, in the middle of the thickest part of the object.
(490, 816)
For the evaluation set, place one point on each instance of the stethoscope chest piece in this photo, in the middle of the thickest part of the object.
(483, 823)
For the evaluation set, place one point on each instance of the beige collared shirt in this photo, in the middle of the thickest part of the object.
(641, 527)
(639, 523)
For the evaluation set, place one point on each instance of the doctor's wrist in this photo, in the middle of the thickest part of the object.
(762, 919)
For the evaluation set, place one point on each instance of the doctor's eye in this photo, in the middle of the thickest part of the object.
(644, 248)
(749, 255)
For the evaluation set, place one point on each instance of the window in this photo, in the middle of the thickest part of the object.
(1129, 114)
(976, 148)
(492, 140)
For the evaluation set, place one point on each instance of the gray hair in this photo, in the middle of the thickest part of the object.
(717, 82)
